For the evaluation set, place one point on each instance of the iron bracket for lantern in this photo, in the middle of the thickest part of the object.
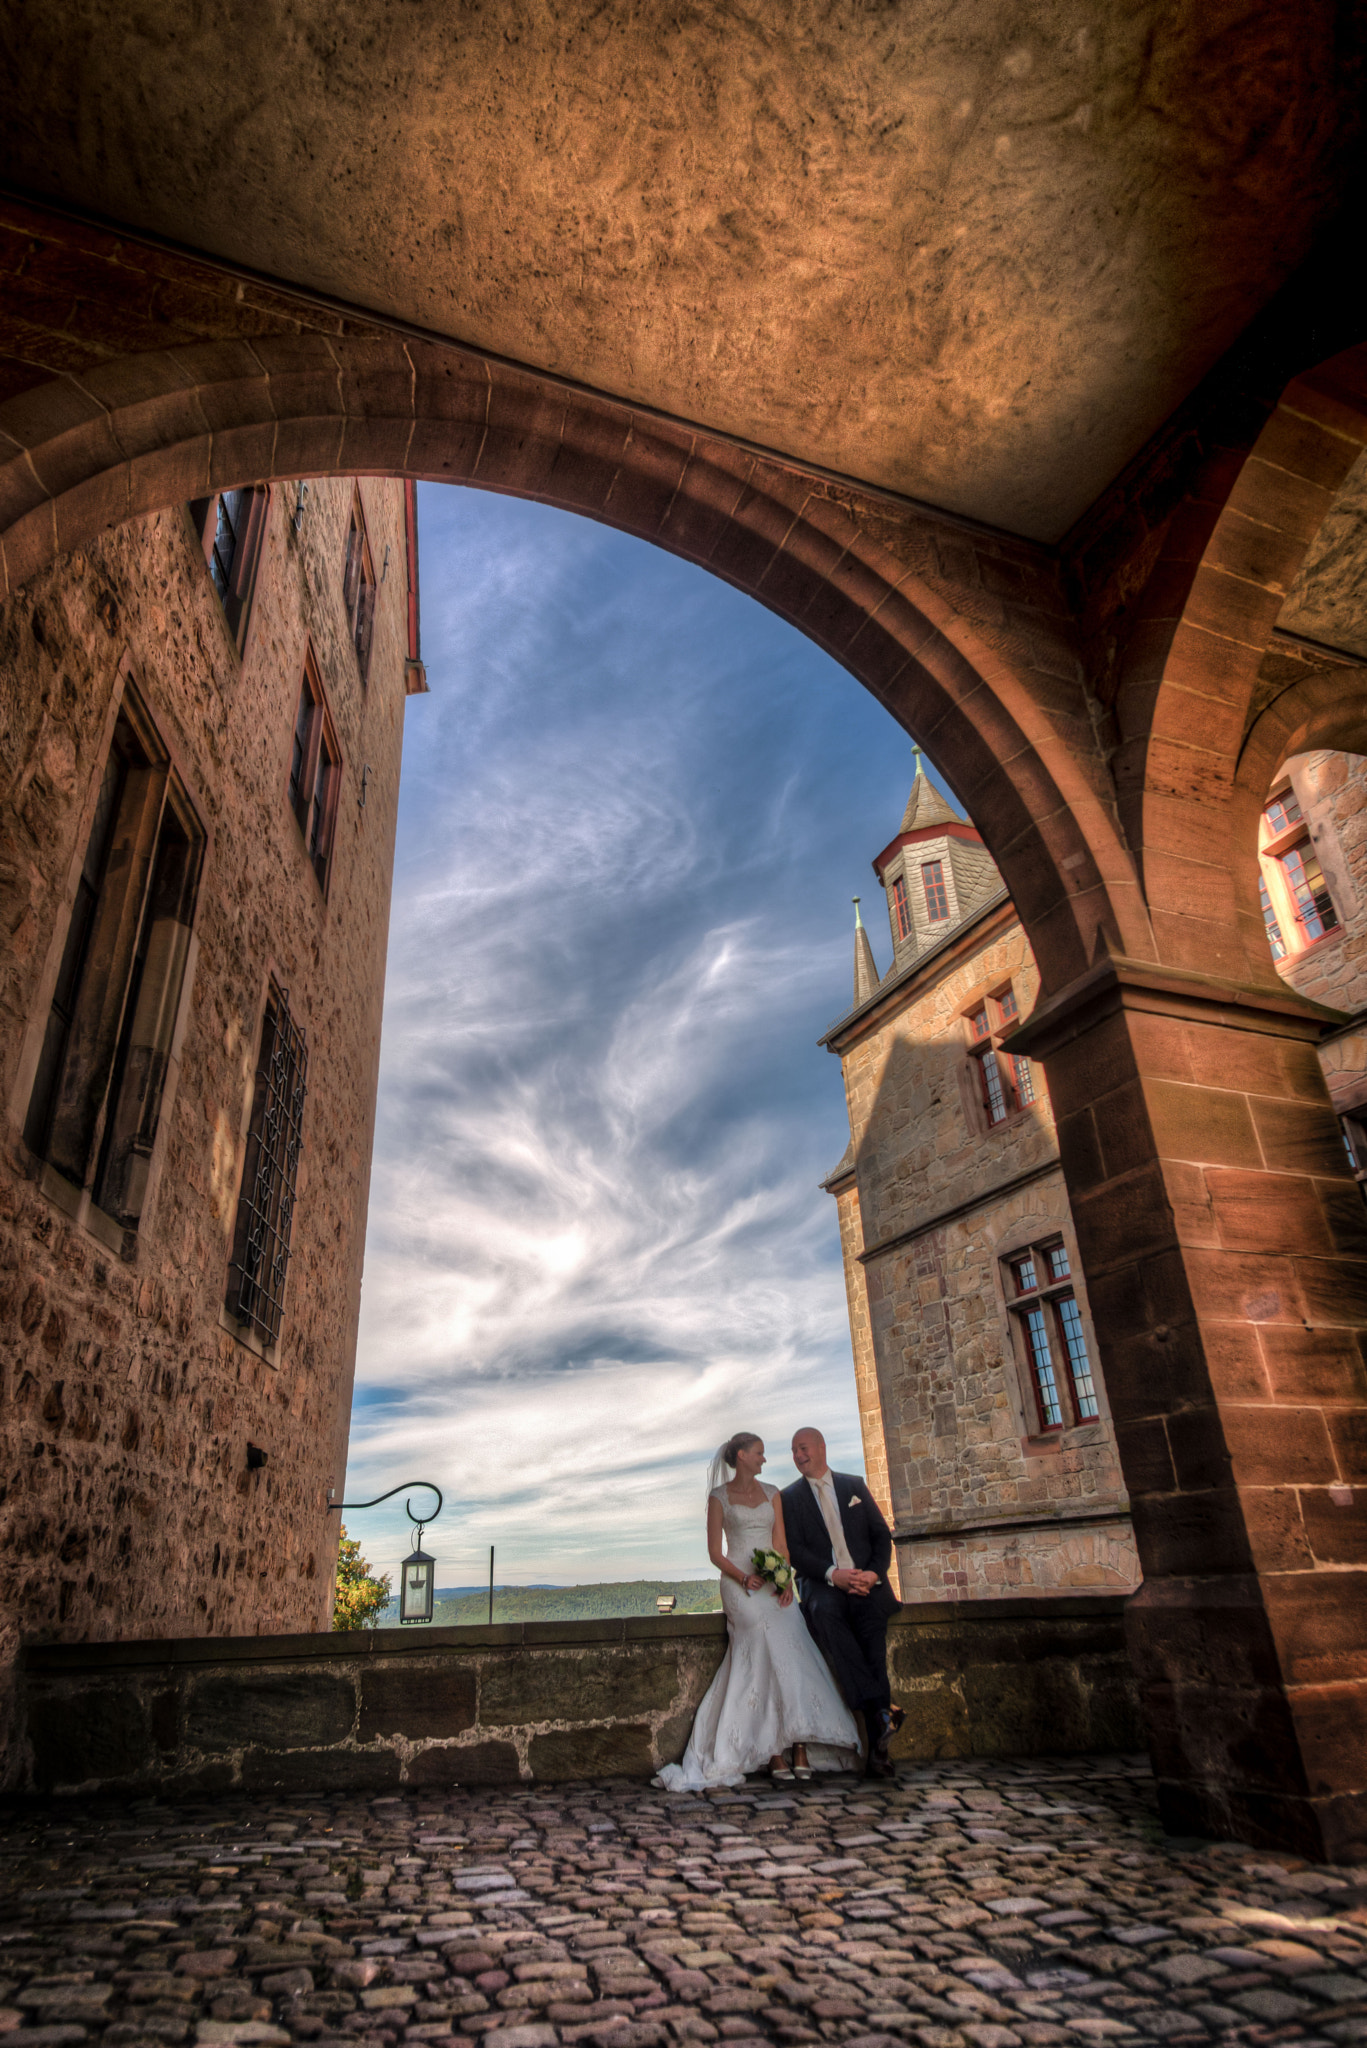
(417, 1574)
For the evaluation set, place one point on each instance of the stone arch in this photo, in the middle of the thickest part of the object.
(1196, 673)
(1326, 708)
(994, 691)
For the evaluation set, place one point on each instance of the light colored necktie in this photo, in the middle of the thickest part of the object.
(824, 1489)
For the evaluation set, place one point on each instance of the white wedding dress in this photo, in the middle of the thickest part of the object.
(773, 1688)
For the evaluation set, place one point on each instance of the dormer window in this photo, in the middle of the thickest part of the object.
(901, 909)
(937, 896)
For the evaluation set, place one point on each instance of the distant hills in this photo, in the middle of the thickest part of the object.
(468, 1606)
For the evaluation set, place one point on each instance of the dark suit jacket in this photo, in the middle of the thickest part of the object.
(866, 1533)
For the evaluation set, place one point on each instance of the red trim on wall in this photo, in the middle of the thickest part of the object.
(968, 832)
(410, 535)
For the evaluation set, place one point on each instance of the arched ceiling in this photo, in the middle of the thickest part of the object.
(973, 252)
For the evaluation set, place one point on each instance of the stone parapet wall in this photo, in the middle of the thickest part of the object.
(539, 1701)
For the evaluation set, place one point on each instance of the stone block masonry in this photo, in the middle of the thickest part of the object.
(543, 1701)
(127, 1504)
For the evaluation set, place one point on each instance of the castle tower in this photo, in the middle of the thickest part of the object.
(982, 1406)
(935, 873)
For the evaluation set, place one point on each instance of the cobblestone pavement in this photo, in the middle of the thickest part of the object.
(962, 1906)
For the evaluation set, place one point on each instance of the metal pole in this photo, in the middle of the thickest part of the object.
(491, 1585)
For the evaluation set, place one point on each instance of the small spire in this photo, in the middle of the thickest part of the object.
(925, 805)
(865, 969)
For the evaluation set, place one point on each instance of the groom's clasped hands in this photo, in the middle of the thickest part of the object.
(855, 1581)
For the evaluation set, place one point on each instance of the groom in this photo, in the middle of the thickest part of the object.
(842, 1548)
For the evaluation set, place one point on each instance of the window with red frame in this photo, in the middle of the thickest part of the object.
(358, 589)
(937, 895)
(901, 909)
(996, 1099)
(1315, 912)
(1005, 1081)
(1044, 1309)
(315, 774)
(1274, 930)
(1282, 812)
(231, 525)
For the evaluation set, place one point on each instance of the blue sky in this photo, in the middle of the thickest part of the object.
(634, 809)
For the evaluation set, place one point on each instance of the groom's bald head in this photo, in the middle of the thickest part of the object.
(809, 1453)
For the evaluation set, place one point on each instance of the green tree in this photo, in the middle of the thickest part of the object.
(361, 1598)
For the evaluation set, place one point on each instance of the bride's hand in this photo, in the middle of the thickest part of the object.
(753, 1583)
(785, 1599)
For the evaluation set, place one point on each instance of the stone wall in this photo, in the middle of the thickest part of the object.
(920, 1136)
(942, 1198)
(843, 1187)
(1060, 1553)
(545, 1701)
(126, 1501)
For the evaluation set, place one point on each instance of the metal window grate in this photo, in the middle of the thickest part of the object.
(228, 509)
(265, 1210)
(1315, 911)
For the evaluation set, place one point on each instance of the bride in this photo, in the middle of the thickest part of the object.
(773, 1690)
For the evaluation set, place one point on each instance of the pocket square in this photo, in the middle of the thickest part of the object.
(855, 1501)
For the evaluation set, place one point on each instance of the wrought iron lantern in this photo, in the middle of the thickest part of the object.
(417, 1583)
(417, 1575)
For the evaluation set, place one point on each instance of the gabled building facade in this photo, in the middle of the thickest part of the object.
(986, 1430)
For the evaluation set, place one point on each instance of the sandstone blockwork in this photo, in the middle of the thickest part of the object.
(131, 1505)
(940, 1206)
(542, 1701)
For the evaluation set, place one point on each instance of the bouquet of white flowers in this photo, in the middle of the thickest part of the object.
(773, 1569)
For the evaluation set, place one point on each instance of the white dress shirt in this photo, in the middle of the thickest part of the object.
(824, 1489)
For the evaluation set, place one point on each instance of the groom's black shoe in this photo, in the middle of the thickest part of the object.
(882, 1726)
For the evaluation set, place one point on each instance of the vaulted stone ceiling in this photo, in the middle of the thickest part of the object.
(972, 250)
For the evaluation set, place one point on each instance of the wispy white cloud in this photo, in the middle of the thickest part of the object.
(634, 809)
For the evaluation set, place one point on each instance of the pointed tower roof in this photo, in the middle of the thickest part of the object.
(927, 816)
(925, 805)
(865, 970)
